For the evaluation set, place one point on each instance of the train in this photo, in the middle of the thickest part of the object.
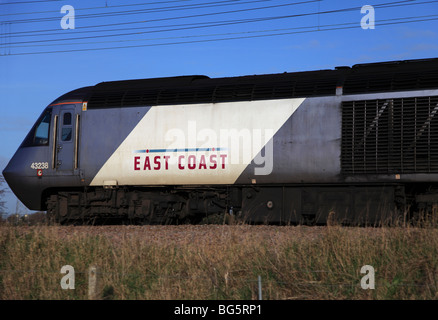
(357, 145)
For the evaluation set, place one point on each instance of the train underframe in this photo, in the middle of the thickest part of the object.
(284, 204)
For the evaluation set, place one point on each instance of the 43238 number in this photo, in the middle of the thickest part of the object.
(39, 165)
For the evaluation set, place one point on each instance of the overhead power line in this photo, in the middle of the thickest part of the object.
(128, 37)
(32, 32)
(207, 24)
(316, 29)
(164, 9)
(44, 31)
(345, 25)
(96, 8)
(24, 2)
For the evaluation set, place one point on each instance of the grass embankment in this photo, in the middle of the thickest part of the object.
(326, 266)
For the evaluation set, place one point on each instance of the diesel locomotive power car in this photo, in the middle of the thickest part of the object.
(358, 144)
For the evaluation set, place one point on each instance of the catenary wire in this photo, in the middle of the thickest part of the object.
(384, 5)
(209, 40)
(155, 10)
(29, 2)
(95, 8)
(346, 24)
(31, 32)
(397, 3)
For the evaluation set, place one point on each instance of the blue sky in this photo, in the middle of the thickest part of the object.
(175, 37)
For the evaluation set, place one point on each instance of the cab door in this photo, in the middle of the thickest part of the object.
(65, 148)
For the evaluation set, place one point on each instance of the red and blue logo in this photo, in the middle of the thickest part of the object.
(202, 161)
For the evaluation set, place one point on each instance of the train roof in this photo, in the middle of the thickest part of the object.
(360, 78)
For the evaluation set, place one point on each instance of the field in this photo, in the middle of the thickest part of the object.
(220, 262)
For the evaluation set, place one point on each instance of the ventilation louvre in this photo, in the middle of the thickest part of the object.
(390, 136)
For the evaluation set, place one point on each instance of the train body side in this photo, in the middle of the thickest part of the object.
(281, 147)
(260, 142)
(270, 142)
(289, 141)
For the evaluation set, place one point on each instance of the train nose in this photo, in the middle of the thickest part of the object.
(7, 173)
(12, 175)
(22, 184)
(23, 180)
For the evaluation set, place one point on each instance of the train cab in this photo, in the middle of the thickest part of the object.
(48, 156)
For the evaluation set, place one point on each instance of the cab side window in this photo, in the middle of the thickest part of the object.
(40, 133)
(67, 128)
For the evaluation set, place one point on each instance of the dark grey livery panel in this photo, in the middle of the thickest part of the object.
(103, 132)
(306, 149)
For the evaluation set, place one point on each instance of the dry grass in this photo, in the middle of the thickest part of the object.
(219, 262)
